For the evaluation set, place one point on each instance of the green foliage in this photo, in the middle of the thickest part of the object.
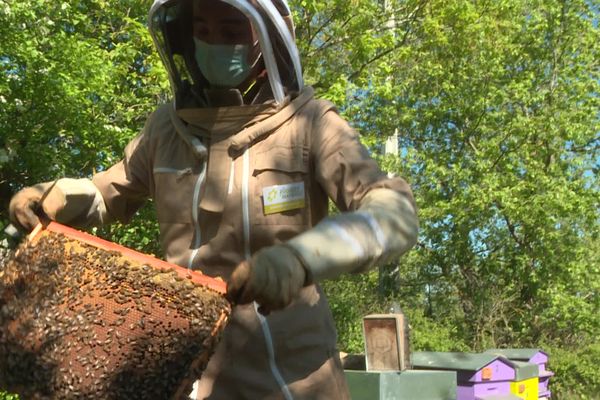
(352, 298)
(576, 372)
(431, 335)
(141, 233)
(78, 80)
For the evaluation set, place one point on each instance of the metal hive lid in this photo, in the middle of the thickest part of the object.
(524, 354)
(453, 360)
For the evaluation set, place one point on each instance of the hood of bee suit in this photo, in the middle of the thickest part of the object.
(171, 27)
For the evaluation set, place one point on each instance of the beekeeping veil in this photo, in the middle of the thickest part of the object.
(171, 27)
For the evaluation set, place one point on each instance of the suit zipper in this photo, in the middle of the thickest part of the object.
(195, 217)
(263, 321)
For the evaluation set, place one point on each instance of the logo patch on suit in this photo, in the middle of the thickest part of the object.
(280, 198)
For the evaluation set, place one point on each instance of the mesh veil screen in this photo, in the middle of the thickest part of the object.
(78, 320)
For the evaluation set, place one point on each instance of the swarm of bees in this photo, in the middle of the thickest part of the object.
(77, 321)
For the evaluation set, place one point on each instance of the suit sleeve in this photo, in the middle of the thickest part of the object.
(378, 220)
(125, 186)
(111, 195)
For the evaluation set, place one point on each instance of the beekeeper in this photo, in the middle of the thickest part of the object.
(241, 165)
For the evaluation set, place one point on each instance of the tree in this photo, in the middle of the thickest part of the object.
(77, 81)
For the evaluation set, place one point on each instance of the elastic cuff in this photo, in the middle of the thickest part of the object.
(308, 276)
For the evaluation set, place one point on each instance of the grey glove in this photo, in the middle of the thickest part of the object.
(273, 277)
(75, 202)
(25, 208)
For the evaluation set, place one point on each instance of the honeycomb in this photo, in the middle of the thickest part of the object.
(79, 321)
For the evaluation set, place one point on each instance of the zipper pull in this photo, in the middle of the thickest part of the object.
(182, 173)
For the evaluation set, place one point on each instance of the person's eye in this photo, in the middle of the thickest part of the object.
(234, 35)
(201, 31)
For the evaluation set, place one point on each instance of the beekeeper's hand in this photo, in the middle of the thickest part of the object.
(24, 208)
(273, 277)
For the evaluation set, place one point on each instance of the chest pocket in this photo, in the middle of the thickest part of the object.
(174, 194)
(287, 168)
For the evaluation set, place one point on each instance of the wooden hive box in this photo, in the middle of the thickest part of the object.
(534, 356)
(387, 345)
(478, 375)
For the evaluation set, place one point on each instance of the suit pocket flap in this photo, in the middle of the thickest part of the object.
(282, 158)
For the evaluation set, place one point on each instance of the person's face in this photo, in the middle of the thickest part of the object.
(216, 22)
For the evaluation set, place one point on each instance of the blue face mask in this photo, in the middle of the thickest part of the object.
(223, 65)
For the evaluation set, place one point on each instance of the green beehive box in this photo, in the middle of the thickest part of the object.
(525, 370)
(413, 385)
